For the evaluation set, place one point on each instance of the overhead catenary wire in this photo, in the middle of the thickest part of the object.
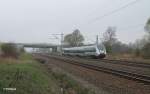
(114, 11)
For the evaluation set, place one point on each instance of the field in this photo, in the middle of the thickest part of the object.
(31, 77)
(27, 76)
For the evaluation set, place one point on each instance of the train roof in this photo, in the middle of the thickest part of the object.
(84, 47)
(80, 47)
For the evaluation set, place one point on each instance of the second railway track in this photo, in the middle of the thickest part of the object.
(124, 62)
(121, 62)
(122, 73)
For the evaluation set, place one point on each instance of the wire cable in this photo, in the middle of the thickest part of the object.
(114, 11)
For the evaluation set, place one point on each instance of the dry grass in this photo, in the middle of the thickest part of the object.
(128, 57)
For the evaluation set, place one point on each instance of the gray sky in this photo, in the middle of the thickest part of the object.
(35, 20)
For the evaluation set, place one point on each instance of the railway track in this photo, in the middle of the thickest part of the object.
(124, 62)
(122, 73)
(121, 62)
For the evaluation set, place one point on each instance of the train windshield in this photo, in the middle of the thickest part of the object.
(101, 47)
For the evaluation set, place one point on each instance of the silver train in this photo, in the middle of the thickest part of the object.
(95, 51)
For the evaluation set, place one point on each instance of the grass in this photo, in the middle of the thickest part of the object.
(69, 85)
(25, 56)
(128, 57)
(30, 77)
(27, 76)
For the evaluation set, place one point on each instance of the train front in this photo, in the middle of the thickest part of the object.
(101, 51)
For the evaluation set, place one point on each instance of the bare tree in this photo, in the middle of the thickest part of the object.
(74, 39)
(109, 38)
(145, 49)
(147, 26)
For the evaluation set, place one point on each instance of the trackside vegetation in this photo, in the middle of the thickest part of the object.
(28, 76)
(9, 50)
(70, 86)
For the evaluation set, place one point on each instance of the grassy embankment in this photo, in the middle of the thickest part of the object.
(30, 77)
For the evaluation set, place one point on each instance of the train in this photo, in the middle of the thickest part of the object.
(94, 51)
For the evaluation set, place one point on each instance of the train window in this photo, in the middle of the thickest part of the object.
(101, 47)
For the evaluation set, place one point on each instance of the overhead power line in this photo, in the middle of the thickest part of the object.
(114, 11)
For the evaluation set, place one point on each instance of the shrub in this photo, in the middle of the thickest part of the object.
(137, 52)
(146, 51)
(9, 50)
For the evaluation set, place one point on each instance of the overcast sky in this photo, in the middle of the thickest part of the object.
(33, 21)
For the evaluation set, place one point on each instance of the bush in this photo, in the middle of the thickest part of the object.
(146, 51)
(137, 52)
(108, 47)
(9, 50)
